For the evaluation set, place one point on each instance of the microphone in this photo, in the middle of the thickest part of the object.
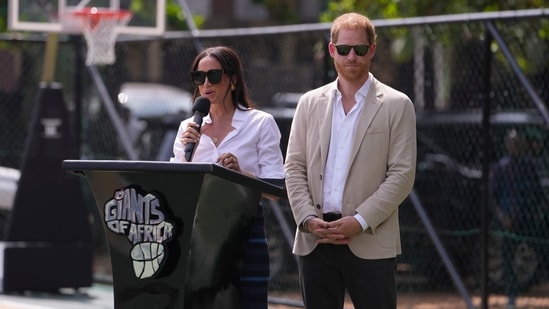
(201, 108)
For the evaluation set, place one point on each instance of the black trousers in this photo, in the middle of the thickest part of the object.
(330, 270)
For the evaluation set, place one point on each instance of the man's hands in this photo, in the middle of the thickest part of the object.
(336, 232)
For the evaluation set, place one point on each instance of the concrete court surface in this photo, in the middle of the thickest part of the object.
(100, 296)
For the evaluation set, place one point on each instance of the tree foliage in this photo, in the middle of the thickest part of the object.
(401, 8)
(176, 19)
(3, 16)
(403, 40)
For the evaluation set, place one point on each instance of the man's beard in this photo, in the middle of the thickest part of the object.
(356, 71)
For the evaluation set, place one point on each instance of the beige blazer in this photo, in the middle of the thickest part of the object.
(381, 171)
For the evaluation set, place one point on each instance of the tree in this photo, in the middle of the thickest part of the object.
(3, 16)
(398, 9)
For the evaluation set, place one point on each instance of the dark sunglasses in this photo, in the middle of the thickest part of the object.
(214, 76)
(360, 50)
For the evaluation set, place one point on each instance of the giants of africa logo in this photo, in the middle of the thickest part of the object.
(139, 216)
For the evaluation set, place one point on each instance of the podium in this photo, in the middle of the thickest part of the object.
(175, 231)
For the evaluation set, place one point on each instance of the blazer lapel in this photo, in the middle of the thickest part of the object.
(372, 103)
(325, 112)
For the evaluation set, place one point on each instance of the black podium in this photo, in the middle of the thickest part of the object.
(176, 231)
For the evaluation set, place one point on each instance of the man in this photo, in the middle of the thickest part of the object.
(350, 162)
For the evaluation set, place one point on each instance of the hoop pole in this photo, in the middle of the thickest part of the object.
(50, 57)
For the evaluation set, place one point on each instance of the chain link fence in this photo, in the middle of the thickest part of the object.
(446, 65)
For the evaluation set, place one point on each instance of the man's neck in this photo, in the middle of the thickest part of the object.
(350, 88)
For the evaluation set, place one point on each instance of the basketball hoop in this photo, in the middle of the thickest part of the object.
(100, 28)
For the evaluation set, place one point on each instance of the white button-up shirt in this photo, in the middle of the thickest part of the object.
(339, 153)
(255, 141)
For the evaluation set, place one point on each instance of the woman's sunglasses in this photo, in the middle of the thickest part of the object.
(360, 50)
(214, 76)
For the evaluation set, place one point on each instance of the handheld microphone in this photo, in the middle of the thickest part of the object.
(201, 108)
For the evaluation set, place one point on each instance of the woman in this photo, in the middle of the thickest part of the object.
(237, 137)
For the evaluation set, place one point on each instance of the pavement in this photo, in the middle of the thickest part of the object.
(98, 296)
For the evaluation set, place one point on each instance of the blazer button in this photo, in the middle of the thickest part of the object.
(318, 206)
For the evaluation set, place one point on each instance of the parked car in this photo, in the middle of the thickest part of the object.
(154, 100)
(153, 111)
(9, 178)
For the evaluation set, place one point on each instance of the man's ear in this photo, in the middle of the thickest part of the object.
(331, 49)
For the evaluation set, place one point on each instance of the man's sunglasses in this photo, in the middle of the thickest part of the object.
(214, 77)
(360, 50)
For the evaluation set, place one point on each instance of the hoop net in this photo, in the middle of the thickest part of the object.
(100, 28)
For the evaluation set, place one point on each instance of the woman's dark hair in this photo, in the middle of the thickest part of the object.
(231, 64)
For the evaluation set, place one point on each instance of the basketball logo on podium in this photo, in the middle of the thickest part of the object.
(139, 216)
(147, 258)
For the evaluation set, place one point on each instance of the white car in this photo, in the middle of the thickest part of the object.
(155, 111)
(9, 177)
(153, 100)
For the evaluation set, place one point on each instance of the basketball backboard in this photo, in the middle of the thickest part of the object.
(148, 16)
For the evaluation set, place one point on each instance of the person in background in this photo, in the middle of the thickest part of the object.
(350, 163)
(238, 137)
(515, 198)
